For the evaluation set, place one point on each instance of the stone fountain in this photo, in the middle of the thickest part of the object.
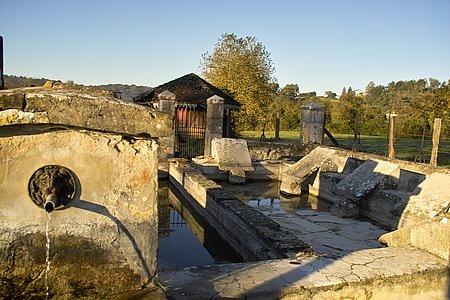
(91, 159)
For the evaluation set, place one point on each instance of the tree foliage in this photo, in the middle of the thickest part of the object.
(417, 103)
(241, 66)
(350, 107)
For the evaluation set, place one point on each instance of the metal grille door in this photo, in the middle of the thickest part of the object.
(189, 132)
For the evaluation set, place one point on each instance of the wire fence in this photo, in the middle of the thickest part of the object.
(415, 148)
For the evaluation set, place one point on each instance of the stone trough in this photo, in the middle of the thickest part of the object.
(415, 265)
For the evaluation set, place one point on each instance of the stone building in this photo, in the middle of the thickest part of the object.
(187, 99)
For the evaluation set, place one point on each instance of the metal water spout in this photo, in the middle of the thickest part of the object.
(52, 186)
(51, 202)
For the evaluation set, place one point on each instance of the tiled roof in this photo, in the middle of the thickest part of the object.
(189, 89)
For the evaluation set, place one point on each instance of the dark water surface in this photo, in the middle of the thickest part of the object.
(184, 237)
(267, 193)
(186, 240)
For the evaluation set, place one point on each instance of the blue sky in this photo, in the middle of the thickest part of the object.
(320, 45)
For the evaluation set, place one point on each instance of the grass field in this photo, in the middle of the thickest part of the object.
(406, 148)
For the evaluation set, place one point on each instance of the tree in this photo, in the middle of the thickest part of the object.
(349, 113)
(330, 94)
(242, 67)
(291, 91)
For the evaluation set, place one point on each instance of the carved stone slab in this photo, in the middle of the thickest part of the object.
(365, 178)
(231, 154)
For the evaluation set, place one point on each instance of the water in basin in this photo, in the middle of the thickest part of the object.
(184, 238)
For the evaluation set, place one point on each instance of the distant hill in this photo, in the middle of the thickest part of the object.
(12, 81)
(125, 91)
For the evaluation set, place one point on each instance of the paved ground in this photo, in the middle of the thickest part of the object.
(394, 273)
(325, 233)
(351, 264)
(309, 219)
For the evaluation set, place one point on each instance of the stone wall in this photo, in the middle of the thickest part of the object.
(104, 241)
(268, 151)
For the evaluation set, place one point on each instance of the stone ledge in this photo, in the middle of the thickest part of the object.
(83, 110)
(264, 239)
(394, 273)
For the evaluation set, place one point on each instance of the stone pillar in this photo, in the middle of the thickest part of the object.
(228, 123)
(313, 123)
(214, 121)
(167, 102)
(166, 144)
(2, 82)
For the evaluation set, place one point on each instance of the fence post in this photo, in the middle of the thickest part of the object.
(277, 126)
(391, 118)
(436, 137)
(357, 133)
(214, 121)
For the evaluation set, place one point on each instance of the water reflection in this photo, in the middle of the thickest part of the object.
(267, 194)
(184, 238)
(179, 247)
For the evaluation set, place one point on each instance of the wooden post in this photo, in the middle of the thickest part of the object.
(391, 117)
(356, 133)
(277, 127)
(436, 137)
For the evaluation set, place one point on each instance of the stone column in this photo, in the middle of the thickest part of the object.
(228, 123)
(166, 144)
(313, 123)
(214, 121)
(167, 102)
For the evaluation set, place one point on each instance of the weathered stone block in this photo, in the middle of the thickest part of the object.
(431, 198)
(106, 237)
(12, 100)
(432, 236)
(345, 208)
(100, 113)
(365, 178)
(292, 178)
(237, 176)
(231, 154)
